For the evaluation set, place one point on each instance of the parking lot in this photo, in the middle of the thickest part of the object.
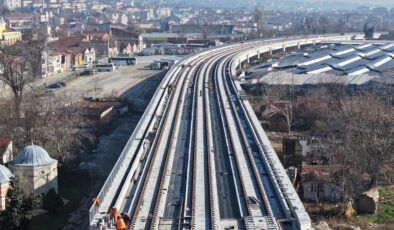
(103, 84)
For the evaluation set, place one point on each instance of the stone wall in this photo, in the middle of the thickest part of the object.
(3, 194)
(38, 179)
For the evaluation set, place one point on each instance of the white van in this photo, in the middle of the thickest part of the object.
(105, 67)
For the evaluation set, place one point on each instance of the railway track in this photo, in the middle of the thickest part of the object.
(198, 160)
(204, 205)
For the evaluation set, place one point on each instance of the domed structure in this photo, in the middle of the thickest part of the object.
(5, 174)
(5, 178)
(33, 155)
(35, 170)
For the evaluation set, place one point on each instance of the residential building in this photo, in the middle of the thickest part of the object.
(8, 36)
(11, 4)
(318, 183)
(5, 178)
(5, 149)
(123, 39)
(195, 28)
(53, 62)
(18, 19)
(163, 12)
(89, 55)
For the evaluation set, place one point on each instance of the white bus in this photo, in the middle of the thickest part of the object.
(123, 60)
(105, 67)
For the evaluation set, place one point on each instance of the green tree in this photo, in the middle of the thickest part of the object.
(52, 201)
(19, 209)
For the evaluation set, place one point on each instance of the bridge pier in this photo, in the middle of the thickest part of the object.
(284, 48)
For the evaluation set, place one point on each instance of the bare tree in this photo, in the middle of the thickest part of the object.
(259, 19)
(324, 24)
(13, 73)
(287, 111)
(33, 50)
(309, 25)
(55, 123)
(65, 136)
(360, 132)
(205, 27)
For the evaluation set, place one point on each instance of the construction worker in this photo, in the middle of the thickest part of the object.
(96, 201)
(120, 224)
(111, 215)
(116, 214)
(107, 220)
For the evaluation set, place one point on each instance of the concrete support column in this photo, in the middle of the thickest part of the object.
(298, 45)
(247, 58)
(258, 54)
(284, 48)
(270, 51)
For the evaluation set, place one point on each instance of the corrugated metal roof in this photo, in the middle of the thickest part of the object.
(286, 78)
(5, 174)
(361, 79)
(33, 155)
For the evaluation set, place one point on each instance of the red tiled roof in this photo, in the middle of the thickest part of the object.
(67, 41)
(318, 172)
(95, 33)
(20, 16)
(4, 142)
(8, 29)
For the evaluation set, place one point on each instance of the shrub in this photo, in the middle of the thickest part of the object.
(52, 201)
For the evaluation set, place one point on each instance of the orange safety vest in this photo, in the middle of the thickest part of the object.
(120, 224)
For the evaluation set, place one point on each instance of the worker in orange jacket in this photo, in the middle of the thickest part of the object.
(115, 214)
(120, 224)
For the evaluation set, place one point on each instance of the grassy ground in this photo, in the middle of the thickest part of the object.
(385, 212)
(73, 186)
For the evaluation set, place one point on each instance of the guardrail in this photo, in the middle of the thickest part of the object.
(114, 172)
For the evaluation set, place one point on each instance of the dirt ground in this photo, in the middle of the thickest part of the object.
(103, 84)
(138, 87)
(276, 139)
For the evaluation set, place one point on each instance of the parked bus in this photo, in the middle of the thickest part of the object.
(105, 67)
(123, 60)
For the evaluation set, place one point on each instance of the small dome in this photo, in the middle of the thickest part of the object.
(5, 174)
(33, 155)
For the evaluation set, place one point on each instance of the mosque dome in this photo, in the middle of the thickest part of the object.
(5, 174)
(33, 155)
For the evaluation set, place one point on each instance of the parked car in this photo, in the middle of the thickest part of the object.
(57, 85)
(87, 73)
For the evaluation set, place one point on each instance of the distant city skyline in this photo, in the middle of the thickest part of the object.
(331, 4)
